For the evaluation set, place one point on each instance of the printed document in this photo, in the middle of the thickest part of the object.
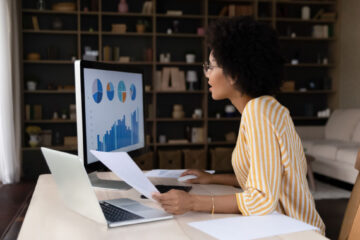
(125, 168)
(167, 173)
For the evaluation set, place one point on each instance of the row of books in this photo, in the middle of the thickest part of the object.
(233, 10)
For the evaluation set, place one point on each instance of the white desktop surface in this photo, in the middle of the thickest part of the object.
(48, 218)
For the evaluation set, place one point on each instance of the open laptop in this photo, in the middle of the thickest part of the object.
(77, 193)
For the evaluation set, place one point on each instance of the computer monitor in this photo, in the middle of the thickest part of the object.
(109, 109)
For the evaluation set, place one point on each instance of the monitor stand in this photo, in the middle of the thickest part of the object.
(110, 184)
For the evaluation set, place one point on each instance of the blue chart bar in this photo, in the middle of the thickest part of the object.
(120, 135)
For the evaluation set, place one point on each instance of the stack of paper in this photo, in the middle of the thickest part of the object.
(251, 227)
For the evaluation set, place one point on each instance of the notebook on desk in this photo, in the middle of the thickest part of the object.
(75, 189)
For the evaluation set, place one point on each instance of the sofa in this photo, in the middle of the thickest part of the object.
(335, 145)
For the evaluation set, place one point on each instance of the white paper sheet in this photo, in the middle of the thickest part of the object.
(251, 227)
(167, 173)
(125, 168)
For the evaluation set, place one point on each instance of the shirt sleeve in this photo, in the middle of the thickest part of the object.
(261, 193)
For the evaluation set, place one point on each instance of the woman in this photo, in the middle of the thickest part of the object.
(245, 66)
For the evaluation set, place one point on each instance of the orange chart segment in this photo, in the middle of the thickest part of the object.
(122, 91)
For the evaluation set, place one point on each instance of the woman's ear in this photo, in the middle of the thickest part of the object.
(232, 81)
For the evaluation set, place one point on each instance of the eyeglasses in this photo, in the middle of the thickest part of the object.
(208, 67)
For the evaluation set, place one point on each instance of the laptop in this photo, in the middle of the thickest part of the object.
(77, 193)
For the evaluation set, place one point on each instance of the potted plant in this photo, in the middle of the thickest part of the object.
(141, 26)
(33, 132)
(190, 56)
(31, 83)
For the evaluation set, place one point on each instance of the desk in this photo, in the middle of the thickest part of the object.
(48, 218)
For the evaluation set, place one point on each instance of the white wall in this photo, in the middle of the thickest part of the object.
(349, 77)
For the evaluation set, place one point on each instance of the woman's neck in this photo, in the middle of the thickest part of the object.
(240, 100)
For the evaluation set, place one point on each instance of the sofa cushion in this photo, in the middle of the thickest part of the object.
(347, 154)
(356, 134)
(325, 151)
(308, 145)
(341, 124)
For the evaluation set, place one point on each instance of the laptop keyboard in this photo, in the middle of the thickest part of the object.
(115, 214)
(166, 188)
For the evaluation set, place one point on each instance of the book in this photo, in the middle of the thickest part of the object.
(165, 79)
(177, 79)
(178, 141)
(243, 10)
(147, 7)
(174, 12)
(328, 16)
(224, 11)
(232, 10)
(174, 79)
(107, 53)
(158, 80)
(182, 84)
(27, 112)
(35, 23)
(37, 112)
(318, 14)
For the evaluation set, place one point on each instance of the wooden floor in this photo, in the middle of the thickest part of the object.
(14, 200)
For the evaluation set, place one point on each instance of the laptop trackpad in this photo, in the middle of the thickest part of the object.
(137, 208)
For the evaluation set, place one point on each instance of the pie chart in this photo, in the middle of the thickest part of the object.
(122, 91)
(97, 90)
(132, 92)
(110, 91)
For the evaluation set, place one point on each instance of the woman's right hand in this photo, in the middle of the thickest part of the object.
(202, 176)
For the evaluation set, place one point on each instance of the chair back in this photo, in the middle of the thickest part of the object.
(350, 228)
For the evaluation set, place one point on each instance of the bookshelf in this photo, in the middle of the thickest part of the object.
(93, 28)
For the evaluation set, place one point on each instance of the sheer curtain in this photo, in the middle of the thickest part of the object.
(10, 126)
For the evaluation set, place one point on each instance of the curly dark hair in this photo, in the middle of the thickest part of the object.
(249, 52)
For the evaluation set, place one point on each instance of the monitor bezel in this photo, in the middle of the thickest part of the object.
(111, 67)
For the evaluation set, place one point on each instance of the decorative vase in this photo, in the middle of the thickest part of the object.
(229, 111)
(178, 112)
(190, 57)
(140, 28)
(34, 140)
(123, 6)
(31, 86)
(57, 24)
(305, 13)
(40, 5)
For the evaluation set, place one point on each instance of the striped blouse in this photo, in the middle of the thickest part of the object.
(270, 164)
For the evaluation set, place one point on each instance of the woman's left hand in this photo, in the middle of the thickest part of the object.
(175, 201)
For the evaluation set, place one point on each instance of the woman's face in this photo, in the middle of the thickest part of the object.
(221, 86)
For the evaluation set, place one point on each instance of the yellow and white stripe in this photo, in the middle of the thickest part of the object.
(270, 164)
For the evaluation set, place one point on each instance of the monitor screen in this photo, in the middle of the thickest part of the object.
(112, 109)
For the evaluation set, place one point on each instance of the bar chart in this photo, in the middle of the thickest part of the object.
(120, 135)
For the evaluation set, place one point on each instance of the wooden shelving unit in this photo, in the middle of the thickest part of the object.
(51, 121)
(303, 21)
(49, 92)
(179, 120)
(299, 2)
(92, 28)
(309, 65)
(48, 62)
(49, 32)
(305, 39)
(59, 148)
